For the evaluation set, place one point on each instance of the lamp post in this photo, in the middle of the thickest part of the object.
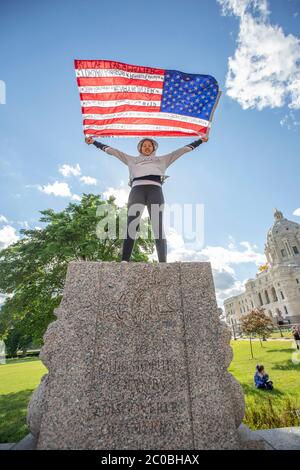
(233, 330)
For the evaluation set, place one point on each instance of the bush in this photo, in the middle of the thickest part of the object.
(263, 415)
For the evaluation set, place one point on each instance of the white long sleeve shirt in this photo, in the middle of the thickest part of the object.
(146, 165)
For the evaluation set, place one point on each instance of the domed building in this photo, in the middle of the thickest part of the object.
(276, 287)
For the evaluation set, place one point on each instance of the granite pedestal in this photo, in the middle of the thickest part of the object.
(137, 359)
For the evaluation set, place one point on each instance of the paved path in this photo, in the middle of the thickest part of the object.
(269, 339)
(281, 438)
(275, 439)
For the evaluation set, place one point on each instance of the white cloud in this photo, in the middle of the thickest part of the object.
(8, 236)
(221, 258)
(240, 7)
(3, 298)
(289, 120)
(237, 288)
(294, 89)
(76, 197)
(23, 223)
(89, 180)
(223, 261)
(264, 71)
(224, 279)
(67, 170)
(121, 194)
(297, 211)
(3, 219)
(58, 189)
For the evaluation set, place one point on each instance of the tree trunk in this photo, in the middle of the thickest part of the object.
(24, 352)
(251, 348)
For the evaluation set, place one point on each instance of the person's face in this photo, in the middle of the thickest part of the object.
(147, 147)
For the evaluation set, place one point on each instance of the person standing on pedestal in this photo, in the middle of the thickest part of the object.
(147, 174)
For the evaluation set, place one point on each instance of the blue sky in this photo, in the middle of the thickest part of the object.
(250, 164)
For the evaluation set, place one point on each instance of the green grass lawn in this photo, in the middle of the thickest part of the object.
(18, 379)
(285, 334)
(276, 335)
(281, 406)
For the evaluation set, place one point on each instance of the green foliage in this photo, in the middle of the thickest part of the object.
(256, 323)
(15, 340)
(267, 415)
(33, 270)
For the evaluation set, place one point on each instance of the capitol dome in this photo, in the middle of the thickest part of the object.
(283, 241)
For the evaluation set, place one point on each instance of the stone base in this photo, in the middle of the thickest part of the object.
(250, 441)
(265, 439)
(28, 443)
(137, 359)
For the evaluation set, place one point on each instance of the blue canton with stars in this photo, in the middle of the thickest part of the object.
(189, 94)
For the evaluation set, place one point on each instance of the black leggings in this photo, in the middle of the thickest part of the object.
(145, 195)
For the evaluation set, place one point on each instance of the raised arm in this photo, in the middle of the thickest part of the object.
(123, 157)
(171, 157)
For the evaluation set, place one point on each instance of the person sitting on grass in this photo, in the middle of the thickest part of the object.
(261, 378)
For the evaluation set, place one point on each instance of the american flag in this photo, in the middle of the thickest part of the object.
(124, 100)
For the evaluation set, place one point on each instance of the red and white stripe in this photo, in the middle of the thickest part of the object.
(119, 99)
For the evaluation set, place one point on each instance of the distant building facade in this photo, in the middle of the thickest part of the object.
(277, 288)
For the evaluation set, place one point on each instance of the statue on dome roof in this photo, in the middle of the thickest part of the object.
(278, 214)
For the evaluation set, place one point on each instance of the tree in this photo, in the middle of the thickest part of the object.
(256, 323)
(33, 270)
